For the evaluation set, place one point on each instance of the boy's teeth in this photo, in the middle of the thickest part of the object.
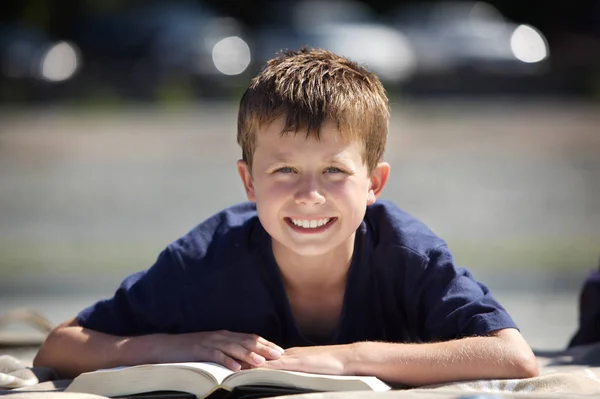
(310, 224)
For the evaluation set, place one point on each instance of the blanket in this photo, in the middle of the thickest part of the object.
(570, 373)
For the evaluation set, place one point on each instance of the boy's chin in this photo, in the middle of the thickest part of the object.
(309, 249)
(312, 251)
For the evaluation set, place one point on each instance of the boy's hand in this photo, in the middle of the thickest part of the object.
(233, 350)
(334, 359)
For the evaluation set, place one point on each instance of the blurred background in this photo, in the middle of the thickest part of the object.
(118, 121)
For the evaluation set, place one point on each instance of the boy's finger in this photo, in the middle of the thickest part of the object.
(245, 366)
(239, 352)
(243, 346)
(232, 364)
(219, 357)
(270, 344)
(259, 345)
(267, 351)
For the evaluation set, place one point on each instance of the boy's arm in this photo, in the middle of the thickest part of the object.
(71, 349)
(504, 354)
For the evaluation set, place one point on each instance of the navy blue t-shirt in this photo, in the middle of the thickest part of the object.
(403, 286)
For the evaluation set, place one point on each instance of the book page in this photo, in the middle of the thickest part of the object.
(196, 378)
(218, 372)
(295, 379)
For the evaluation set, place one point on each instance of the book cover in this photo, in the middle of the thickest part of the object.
(203, 379)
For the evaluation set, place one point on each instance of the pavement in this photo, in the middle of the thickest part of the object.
(89, 196)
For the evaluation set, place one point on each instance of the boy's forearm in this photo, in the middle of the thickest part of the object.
(71, 350)
(493, 357)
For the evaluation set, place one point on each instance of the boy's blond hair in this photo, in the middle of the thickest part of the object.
(308, 87)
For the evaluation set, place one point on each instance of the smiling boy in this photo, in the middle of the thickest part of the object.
(313, 263)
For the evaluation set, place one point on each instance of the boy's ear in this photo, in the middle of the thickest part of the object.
(378, 179)
(246, 176)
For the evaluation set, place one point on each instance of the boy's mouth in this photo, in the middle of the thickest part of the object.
(310, 225)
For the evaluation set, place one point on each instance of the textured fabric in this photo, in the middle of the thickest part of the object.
(15, 373)
(573, 373)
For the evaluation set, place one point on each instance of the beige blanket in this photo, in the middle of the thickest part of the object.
(572, 373)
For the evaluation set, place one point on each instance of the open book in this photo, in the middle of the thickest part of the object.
(202, 379)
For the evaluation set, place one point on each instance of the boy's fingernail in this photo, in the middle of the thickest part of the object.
(275, 353)
(280, 349)
(258, 359)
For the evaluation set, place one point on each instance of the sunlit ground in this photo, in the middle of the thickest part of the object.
(509, 186)
(89, 196)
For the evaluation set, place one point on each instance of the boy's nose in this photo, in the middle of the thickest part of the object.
(309, 193)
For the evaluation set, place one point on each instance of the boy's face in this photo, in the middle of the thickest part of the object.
(311, 194)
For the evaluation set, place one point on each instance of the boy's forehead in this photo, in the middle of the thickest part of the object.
(280, 145)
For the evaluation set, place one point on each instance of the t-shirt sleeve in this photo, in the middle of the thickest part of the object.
(452, 304)
(146, 302)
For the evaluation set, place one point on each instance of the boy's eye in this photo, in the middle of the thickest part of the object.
(285, 169)
(333, 169)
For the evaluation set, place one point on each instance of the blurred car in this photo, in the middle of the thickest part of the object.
(154, 46)
(346, 27)
(576, 55)
(470, 42)
(32, 64)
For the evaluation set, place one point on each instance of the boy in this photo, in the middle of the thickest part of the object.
(312, 263)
